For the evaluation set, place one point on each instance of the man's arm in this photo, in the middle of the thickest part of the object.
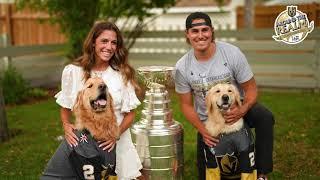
(250, 98)
(251, 94)
(192, 116)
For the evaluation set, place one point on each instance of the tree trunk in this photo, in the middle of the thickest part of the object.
(249, 14)
(4, 132)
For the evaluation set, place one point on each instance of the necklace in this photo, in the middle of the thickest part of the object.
(97, 73)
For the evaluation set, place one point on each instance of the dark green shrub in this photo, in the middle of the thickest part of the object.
(15, 88)
(37, 93)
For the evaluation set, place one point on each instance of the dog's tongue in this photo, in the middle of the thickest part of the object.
(101, 102)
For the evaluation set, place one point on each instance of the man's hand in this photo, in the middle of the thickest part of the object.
(208, 139)
(192, 116)
(235, 113)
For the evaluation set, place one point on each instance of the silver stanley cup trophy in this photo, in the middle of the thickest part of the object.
(158, 138)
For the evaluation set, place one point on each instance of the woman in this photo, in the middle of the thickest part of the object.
(105, 56)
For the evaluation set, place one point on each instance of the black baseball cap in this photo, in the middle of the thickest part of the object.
(197, 15)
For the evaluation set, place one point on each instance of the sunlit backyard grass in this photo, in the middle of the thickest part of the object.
(296, 147)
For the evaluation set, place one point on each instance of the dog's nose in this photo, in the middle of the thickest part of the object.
(102, 87)
(225, 97)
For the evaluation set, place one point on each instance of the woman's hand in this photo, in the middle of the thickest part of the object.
(107, 145)
(69, 135)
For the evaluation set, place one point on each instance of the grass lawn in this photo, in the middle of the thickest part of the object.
(296, 145)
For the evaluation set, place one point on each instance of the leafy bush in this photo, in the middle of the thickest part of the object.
(37, 93)
(15, 88)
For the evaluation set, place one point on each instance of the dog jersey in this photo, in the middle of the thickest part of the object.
(233, 155)
(85, 161)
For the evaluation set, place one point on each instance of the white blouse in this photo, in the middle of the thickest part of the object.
(124, 98)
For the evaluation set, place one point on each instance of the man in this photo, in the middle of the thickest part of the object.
(210, 62)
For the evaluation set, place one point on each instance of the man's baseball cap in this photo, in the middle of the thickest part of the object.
(197, 15)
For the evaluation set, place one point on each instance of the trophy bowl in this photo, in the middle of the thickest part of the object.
(155, 76)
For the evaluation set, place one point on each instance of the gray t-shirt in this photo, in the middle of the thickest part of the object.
(227, 65)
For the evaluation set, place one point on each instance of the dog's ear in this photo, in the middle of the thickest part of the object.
(209, 103)
(111, 104)
(78, 100)
(237, 96)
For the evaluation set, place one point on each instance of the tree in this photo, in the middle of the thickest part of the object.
(76, 17)
(4, 132)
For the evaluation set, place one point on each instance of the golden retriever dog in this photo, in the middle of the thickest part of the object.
(93, 111)
(218, 100)
(234, 155)
(95, 121)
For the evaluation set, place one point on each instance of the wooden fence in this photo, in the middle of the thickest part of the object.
(41, 65)
(275, 64)
(27, 27)
(265, 16)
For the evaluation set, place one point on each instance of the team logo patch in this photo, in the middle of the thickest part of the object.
(83, 138)
(292, 26)
(229, 164)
